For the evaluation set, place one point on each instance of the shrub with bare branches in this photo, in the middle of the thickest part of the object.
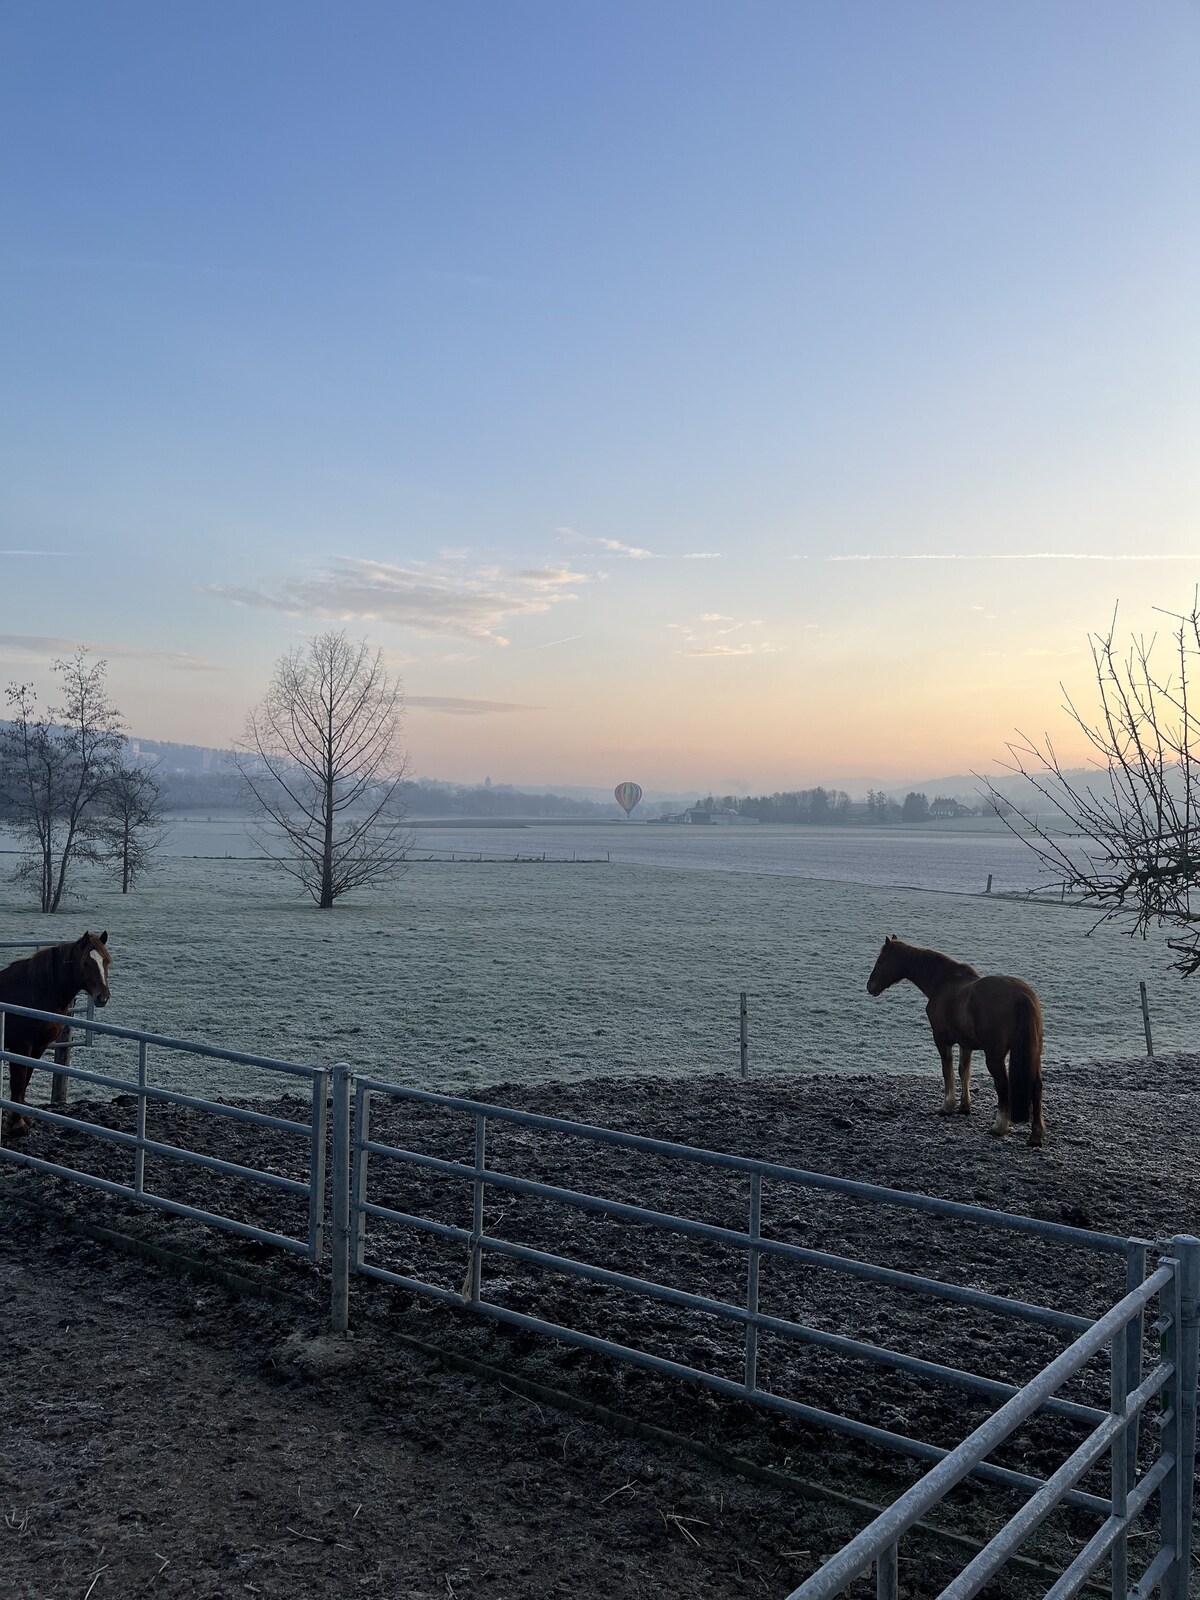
(1128, 841)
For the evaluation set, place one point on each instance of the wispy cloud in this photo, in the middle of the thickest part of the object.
(614, 547)
(551, 643)
(44, 647)
(447, 600)
(57, 553)
(702, 555)
(1001, 555)
(632, 551)
(454, 706)
(719, 636)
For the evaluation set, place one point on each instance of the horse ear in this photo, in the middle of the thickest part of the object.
(103, 937)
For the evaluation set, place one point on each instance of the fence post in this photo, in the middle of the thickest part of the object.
(1179, 1436)
(340, 1218)
(139, 1159)
(887, 1573)
(1146, 1020)
(358, 1176)
(62, 1058)
(1135, 1276)
(1117, 1394)
(475, 1267)
(4, 1068)
(317, 1157)
(744, 1034)
(751, 1372)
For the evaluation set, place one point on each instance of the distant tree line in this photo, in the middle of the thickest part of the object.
(224, 790)
(827, 806)
(430, 799)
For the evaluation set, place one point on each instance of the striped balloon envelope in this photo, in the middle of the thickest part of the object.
(627, 796)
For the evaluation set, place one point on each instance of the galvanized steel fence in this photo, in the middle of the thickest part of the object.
(1173, 1284)
(311, 1188)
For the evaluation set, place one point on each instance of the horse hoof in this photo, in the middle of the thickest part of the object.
(964, 1111)
(1036, 1137)
(946, 1111)
(18, 1127)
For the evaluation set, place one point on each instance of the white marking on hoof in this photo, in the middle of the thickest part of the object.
(1001, 1125)
(947, 1107)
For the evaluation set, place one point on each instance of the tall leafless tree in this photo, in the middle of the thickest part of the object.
(322, 764)
(55, 767)
(1128, 840)
(133, 823)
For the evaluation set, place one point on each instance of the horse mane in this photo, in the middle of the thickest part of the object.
(29, 981)
(932, 964)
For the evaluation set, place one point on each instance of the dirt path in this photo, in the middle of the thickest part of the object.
(167, 1436)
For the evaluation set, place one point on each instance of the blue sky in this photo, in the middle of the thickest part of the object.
(420, 319)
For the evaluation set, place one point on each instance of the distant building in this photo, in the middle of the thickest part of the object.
(707, 816)
(943, 809)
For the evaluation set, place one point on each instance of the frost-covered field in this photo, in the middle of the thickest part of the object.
(461, 975)
(954, 855)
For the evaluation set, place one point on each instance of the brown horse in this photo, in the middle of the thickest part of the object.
(1000, 1016)
(48, 981)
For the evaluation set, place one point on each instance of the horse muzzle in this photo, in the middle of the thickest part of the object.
(100, 999)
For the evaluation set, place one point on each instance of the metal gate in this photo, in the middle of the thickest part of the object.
(145, 1092)
(1172, 1288)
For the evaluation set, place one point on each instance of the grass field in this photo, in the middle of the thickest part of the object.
(461, 975)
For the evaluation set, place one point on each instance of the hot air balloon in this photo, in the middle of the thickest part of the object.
(627, 796)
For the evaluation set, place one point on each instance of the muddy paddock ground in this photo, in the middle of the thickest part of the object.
(163, 1432)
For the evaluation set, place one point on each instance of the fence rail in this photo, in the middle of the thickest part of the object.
(311, 1188)
(1171, 1476)
(342, 1219)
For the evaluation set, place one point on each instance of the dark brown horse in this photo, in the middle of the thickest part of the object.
(48, 981)
(1000, 1016)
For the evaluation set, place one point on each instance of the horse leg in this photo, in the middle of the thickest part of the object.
(964, 1073)
(18, 1079)
(999, 1072)
(946, 1052)
(1037, 1126)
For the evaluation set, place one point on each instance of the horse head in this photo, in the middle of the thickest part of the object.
(888, 968)
(94, 961)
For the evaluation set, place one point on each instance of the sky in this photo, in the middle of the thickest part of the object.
(740, 395)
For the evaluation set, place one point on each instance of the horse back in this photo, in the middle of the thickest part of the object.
(988, 1013)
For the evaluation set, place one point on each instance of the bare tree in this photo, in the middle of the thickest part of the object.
(322, 764)
(1129, 840)
(133, 823)
(54, 771)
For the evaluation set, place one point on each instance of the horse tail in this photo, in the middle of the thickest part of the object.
(1025, 1059)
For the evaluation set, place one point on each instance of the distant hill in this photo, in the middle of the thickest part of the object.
(199, 776)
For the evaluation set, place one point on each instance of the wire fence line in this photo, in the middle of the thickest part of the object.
(339, 1188)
